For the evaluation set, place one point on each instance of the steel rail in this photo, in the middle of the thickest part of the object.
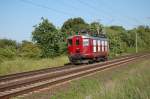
(60, 76)
(45, 76)
(36, 72)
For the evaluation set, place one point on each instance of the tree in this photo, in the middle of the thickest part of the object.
(143, 36)
(129, 38)
(95, 27)
(117, 28)
(29, 50)
(117, 45)
(6, 42)
(48, 38)
(8, 49)
(74, 25)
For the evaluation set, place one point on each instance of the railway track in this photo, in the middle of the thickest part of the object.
(36, 72)
(21, 83)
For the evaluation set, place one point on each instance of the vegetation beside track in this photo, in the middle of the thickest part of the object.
(128, 82)
(26, 64)
(50, 42)
(20, 64)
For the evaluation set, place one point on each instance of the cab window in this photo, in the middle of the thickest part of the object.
(85, 42)
(77, 42)
(69, 41)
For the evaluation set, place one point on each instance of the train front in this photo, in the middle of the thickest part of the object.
(78, 48)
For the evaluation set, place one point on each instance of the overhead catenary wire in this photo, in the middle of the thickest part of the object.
(89, 9)
(136, 34)
(56, 10)
(128, 18)
(77, 8)
(94, 8)
(46, 7)
(67, 5)
(109, 15)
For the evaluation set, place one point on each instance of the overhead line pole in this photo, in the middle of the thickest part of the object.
(97, 26)
(136, 42)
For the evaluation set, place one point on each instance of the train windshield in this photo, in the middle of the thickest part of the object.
(85, 42)
(77, 42)
(69, 42)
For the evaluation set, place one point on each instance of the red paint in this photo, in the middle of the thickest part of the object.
(78, 48)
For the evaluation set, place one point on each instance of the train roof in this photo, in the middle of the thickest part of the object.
(88, 36)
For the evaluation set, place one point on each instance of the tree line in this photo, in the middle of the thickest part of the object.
(49, 41)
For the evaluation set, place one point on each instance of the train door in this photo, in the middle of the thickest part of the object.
(78, 44)
(102, 46)
(98, 44)
(70, 46)
(86, 45)
(105, 46)
(94, 46)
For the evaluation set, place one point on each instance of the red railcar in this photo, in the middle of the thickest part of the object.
(85, 48)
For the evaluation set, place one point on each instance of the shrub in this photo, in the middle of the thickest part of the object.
(30, 50)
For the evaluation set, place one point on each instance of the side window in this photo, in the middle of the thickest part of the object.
(98, 45)
(77, 42)
(85, 42)
(69, 42)
(105, 43)
(94, 42)
(106, 46)
(94, 45)
(103, 46)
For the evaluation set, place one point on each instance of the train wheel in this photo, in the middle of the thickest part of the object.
(90, 62)
(106, 58)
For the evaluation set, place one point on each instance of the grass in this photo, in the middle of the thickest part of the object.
(126, 82)
(23, 64)
(130, 82)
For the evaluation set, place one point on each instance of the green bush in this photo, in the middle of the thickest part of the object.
(6, 42)
(7, 53)
(29, 50)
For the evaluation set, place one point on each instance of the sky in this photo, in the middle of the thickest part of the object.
(17, 17)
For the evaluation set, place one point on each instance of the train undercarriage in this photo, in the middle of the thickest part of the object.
(79, 59)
